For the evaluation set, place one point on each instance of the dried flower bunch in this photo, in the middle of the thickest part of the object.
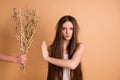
(26, 22)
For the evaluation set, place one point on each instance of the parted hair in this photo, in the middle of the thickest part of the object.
(56, 50)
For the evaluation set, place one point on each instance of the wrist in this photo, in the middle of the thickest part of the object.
(14, 59)
(47, 58)
(18, 60)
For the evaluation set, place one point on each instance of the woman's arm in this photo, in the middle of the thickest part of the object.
(70, 63)
(20, 60)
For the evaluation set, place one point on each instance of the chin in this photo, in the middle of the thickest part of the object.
(67, 39)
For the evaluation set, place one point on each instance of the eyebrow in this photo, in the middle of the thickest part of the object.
(66, 26)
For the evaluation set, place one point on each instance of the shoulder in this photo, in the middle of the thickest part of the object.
(80, 46)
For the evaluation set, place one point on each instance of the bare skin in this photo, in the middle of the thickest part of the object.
(14, 59)
(70, 63)
(67, 31)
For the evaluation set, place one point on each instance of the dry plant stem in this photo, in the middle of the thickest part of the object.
(26, 23)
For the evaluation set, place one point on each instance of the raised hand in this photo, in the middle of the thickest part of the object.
(44, 50)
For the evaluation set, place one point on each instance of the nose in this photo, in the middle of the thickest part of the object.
(67, 31)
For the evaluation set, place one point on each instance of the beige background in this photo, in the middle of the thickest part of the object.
(99, 21)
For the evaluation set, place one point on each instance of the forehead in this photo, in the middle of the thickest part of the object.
(67, 24)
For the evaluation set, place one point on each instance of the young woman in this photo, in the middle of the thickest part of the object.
(65, 53)
(14, 59)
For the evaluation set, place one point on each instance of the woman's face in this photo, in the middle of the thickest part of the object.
(67, 30)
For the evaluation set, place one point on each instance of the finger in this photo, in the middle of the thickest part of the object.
(44, 43)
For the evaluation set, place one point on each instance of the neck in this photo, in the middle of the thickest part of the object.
(65, 45)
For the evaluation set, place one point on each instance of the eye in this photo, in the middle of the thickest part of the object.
(63, 28)
(71, 28)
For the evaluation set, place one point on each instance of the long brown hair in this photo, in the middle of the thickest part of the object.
(56, 51)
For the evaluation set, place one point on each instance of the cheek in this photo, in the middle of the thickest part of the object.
(63, 32)
(71, 32)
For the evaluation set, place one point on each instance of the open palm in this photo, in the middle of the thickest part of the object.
(44, 50)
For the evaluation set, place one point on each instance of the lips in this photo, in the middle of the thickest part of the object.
(67, 36)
